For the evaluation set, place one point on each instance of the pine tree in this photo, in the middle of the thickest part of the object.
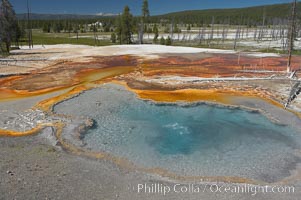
(69, 28)
(189, 27)
(8, 24)
(168, 41)
(20, 32)
(119, 29)
(126, 26)
(156, 32)
(46, 27)
(145, 11)
(144, 20)
(162, 41)
(113, 38)
(176, 29)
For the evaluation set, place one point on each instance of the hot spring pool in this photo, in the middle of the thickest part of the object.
(186, 139)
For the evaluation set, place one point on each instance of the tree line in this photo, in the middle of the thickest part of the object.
(125, 25)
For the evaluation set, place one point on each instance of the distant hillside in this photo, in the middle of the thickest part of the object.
(253, 14)
(36, 16)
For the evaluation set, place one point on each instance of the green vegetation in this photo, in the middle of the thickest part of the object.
(251, 16)
(168, 41)
(10, 31)
(145, 11)
(125, 27)
(162, 41)
(41, 38)
(156, 32)
(247, 16)
(113, 38)
(144, 21)
(294, 52)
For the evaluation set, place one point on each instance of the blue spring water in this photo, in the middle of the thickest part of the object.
(187, 139)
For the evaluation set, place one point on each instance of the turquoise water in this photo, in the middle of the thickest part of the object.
(187, 139)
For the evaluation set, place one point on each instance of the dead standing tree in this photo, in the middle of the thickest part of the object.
(95, 34)
(203, 34)
(283, 34)
(248, 26)
(211, 37)
(225, 30)
(29, 27)
(291, 35)
(261, 33)
(237, 34)
(236, 37)
(171, 29)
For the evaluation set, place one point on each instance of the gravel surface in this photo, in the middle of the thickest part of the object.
(31, 168)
